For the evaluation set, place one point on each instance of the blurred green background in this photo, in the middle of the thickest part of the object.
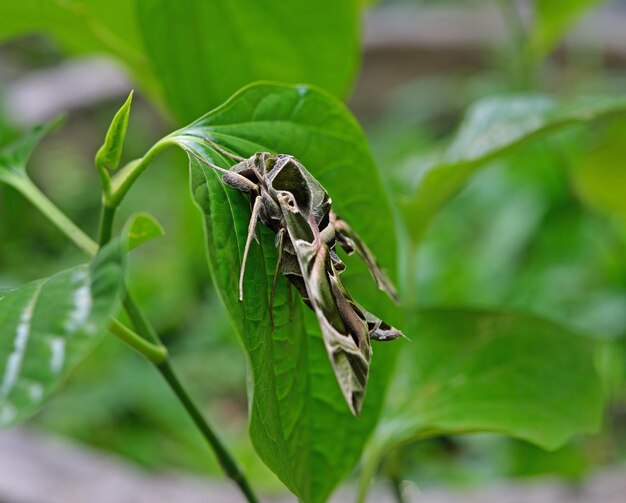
(542, 230)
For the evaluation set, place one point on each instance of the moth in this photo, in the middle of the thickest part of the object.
(288, 199)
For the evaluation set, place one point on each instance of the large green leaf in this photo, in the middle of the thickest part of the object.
(49, 326)
(300, 423)
(82, 27)
(203, 51)
(493, 127)
(472, 371)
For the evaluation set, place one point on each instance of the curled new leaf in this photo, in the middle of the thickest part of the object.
(110, 153)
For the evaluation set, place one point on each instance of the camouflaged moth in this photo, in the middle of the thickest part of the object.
(291, 202)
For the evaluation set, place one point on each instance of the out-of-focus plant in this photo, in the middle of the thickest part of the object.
(464, 370)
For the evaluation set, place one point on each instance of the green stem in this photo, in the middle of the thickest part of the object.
(56, 216)
(526, 62)
(396, 489)
(227, 462)
(125, 177)
(154, 353)
(107, 216)
(115, 189)
(152, 348)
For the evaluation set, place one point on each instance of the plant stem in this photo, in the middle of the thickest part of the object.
(152, 348)
(114, 190)
(396, 489)
(156, 354)
(55, 215)
(125, 177)
(526, 69)
(227, 462)
(107, 216)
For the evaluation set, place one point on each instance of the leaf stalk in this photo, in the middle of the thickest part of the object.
(148, 343)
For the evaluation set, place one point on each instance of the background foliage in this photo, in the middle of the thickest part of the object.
(510, 229)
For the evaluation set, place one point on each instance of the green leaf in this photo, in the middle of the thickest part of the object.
(141, 228)
(13, 157)
(553, 18)
(47, 327)
(493, 127)
(204, 51)
(599, 175)
(110, 153)
(299, 422)
(82, 27)
(480, 371)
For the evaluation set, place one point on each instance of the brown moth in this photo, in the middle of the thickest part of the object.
(290, 201)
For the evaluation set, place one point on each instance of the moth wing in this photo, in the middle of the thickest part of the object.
(346, 339)
(350, 241)
(377, 329)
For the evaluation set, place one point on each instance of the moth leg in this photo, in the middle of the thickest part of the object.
(251, 228)
(223, 151)
(350, 241)
(279, 244)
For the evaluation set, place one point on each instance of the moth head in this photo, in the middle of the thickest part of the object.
(287, 201)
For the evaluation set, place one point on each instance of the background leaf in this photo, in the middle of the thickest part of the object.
(553, 18)
(300, 423)
(13, 157)
(471, 371)
(83, 27)
(49, 326)
(204, 51)
(599, 175)
(492, 127)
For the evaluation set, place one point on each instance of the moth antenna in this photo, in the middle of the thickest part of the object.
(204, 161)
(247, 182)
(221, 150)
(251, 228)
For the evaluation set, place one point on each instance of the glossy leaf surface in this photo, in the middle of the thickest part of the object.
(204, 51)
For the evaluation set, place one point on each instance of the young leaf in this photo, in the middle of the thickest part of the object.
(47, 327)
(299, 422)
(110, 153)
(13, 157)
(492, 127)
(141, 228)
(204, 51)
(472, 371)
